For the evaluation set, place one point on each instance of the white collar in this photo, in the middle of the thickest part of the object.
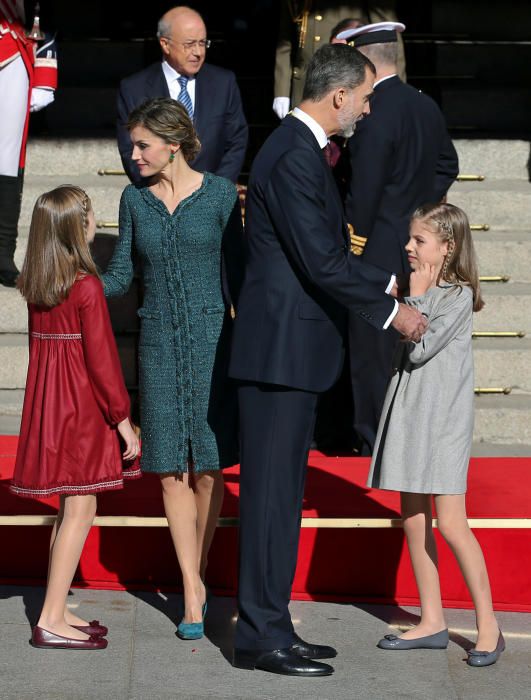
(316, 129)
(386, 78)
(171, 73)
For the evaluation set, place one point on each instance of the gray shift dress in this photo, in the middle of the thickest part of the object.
(425, 432)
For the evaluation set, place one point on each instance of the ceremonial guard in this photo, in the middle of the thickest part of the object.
(305, 25)
(28, 78)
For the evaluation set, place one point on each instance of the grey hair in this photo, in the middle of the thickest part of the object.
(334, 66)
(381, 54)
(163, 28)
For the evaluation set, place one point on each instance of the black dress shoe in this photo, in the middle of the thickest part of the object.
(311, 651)
(282, 661)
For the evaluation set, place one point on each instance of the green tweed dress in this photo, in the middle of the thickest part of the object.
(187, 403)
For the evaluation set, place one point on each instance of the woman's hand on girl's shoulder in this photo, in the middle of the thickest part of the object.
(421, 280)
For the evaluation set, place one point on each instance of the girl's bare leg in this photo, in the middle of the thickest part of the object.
(417, 518)
(75, 519)
(453, 526)
(69, 616)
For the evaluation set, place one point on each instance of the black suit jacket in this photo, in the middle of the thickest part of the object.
(401, 156)
(300, 277)
(218, 118)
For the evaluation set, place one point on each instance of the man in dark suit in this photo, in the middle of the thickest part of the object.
(400, 158)
(288, 345)
(210, 94)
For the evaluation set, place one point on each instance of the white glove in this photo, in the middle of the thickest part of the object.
(40, 98)
(281, 106)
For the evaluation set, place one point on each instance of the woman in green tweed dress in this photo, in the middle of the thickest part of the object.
(184, 228)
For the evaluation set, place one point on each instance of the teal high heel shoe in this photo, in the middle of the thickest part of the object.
(192, 630)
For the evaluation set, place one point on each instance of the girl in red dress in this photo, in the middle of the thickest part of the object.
(75, 403)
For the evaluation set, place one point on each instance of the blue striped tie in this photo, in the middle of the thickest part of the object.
(184, 97)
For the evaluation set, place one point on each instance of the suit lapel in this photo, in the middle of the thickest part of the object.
(201, 97)
(308, 136)
(157, 85)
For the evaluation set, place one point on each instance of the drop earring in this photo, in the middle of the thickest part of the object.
(172, 157)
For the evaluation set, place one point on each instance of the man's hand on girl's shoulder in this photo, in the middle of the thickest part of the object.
(410, 323)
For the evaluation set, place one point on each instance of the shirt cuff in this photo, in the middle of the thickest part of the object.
(391, 316)
(391, 284)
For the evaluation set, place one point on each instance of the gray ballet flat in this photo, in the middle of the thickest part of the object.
(486, 658)
(432, 641)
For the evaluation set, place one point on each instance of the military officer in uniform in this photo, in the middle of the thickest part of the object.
(28, 78)
(400, 157)
(306, 25)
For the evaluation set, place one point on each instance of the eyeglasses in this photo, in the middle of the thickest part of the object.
(190, 45)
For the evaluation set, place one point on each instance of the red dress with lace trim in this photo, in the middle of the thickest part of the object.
(75, 396)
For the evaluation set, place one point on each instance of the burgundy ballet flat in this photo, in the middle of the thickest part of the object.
(93, 627)
(42, 639)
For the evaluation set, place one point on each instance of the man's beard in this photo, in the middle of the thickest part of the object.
(347, 127)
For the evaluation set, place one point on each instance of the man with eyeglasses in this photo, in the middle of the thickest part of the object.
(209, 94)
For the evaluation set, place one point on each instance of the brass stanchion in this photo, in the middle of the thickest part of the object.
(106, 224)
(493, 390)
(495, 278)
(470, 178)
(479, 227)
(498, 334)
(110, 171)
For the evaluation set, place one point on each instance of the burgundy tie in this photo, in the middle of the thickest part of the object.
(331, 153)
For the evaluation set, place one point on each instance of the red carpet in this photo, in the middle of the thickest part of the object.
(356, 564)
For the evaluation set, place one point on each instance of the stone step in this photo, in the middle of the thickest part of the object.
(503, 359)
(73, 156)
(503, 420)
(13, 312)
(502, 204)
(494, 158)
(490, 449)
(499, 363)
(104, 193)
(499, 252)
(11, 401)
(504, 252)
(507, 308)
(14, 360)
(502, 426)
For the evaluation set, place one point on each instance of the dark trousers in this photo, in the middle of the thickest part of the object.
(10, 201)
(371, 360)
(276, 427)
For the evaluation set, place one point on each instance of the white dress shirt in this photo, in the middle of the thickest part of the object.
(172, 78)
(316, 129)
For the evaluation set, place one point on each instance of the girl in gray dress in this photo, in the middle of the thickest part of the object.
(425, 433)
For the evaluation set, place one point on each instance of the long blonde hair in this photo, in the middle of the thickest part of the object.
(57, 246)
(451, 225)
